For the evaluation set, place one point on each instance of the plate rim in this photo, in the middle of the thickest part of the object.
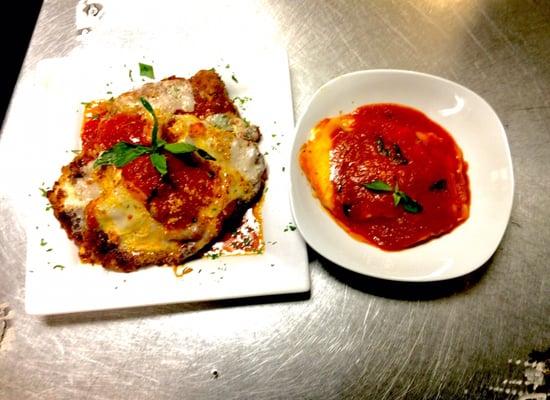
(390, 277)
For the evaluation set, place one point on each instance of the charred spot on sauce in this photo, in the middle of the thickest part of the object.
(346, 209)
(439, 185)
(381, 148)
(395, 153)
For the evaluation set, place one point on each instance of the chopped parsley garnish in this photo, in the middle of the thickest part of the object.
(234, 78)
(290, 227)
(59, 266)
(221, 121)
(399, 197)
(146, 70)
(43, 242)
(242, 100)
(123, 153)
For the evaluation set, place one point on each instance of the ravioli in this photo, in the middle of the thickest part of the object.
(135, 215)
(388, 175)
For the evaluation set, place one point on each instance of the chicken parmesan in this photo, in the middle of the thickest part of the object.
(161, 170)
(388, 175)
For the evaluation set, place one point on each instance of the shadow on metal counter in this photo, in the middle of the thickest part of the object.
(166, 309)
(401, 290)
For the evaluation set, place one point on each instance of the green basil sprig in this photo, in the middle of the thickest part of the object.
(399, 197)
(123, 153)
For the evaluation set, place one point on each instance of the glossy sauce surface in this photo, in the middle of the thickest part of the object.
(405, 150)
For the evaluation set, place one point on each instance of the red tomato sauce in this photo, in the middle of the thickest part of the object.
(141, 176)
(412, 155)
(101, 131)
(189, 186)
(188, 189)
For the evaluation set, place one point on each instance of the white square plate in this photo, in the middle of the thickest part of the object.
(44, 127)
(479, 133)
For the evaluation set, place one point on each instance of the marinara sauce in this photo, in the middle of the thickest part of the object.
(189, 186)
(388, 175)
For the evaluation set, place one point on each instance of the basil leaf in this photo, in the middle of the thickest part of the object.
(146, 70)
(205, 155)
(399, 197)
(381, 147)
(159, 162)
(120, 154)
(411, 206)
(149, 107)
(378, 186)
(180, 148)
(123, 153)
(183, 148)
(408, 204)
(396, 198)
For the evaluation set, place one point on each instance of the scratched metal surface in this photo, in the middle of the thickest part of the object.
(352, 337)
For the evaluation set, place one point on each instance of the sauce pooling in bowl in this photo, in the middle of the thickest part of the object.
(388, 174)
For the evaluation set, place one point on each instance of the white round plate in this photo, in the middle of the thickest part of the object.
(478, 131)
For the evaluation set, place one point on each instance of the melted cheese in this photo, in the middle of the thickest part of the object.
(124, 217)
(125, 226)
(315, 159)
(79, 193)
(127, 222)
(239, 158)
(165, 96)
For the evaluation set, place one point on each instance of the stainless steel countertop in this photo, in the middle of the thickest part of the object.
(352, 337)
